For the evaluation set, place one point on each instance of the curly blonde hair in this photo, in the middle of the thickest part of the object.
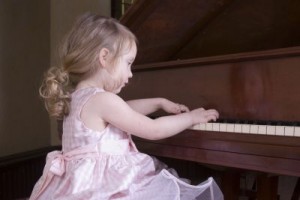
(79, 59)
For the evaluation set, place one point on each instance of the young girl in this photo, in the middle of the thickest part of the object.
(99, 159)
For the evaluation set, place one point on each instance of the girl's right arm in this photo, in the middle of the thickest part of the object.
(148, 106)
(112, 109)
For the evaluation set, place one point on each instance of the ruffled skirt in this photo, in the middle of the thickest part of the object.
(87, 175)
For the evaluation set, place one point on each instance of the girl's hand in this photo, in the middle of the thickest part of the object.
(171, 107)
(201, 115)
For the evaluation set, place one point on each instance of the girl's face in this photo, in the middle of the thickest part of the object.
(123, 66)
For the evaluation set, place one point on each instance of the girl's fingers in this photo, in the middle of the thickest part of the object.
(212, 115)
(213, 112)
(184, 108)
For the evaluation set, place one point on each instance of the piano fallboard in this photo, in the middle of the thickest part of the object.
(265, 153)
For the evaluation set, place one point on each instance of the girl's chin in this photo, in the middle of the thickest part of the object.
(118, 90)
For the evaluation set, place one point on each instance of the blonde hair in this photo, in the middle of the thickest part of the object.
(79, 59)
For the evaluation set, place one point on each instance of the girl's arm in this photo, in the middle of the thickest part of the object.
(112, 109)
(148, 106)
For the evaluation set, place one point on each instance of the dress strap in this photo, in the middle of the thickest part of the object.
(80, 98)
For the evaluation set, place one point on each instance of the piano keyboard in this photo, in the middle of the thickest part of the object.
(280, 130)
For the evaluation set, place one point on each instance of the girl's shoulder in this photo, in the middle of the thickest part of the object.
(86, 96)
(107, 104)
(97, 98)
(106, 99)
(86, 91)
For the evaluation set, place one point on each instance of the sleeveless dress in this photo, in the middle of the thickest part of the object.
(106, 165)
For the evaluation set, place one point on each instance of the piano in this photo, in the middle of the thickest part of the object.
(239, 57)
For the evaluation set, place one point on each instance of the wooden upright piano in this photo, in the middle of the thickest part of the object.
(239, 57)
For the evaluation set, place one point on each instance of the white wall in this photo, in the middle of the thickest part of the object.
(24, 55)
(29, 33)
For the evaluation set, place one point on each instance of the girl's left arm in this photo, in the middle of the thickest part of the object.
(148, 106)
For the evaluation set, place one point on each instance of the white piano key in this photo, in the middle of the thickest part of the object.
(245, 128)
(289, 130)
(223, 127)
(279, 130)
(230, 128)
(237, 128)
(195, 127)
(271, 130)
(216, 126)
(297, 131)
(253, 129)
(262, 129)
(202, 126)
(209, 127)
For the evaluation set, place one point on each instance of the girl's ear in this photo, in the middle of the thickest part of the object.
(104, 57)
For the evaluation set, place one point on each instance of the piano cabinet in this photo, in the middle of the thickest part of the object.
(262, 86)
(258, 86)
(235, 155)
(221, 54)
(271, 154)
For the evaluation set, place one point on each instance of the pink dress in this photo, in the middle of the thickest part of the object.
(107, 165)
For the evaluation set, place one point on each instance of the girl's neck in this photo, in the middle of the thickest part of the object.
(88, 84)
